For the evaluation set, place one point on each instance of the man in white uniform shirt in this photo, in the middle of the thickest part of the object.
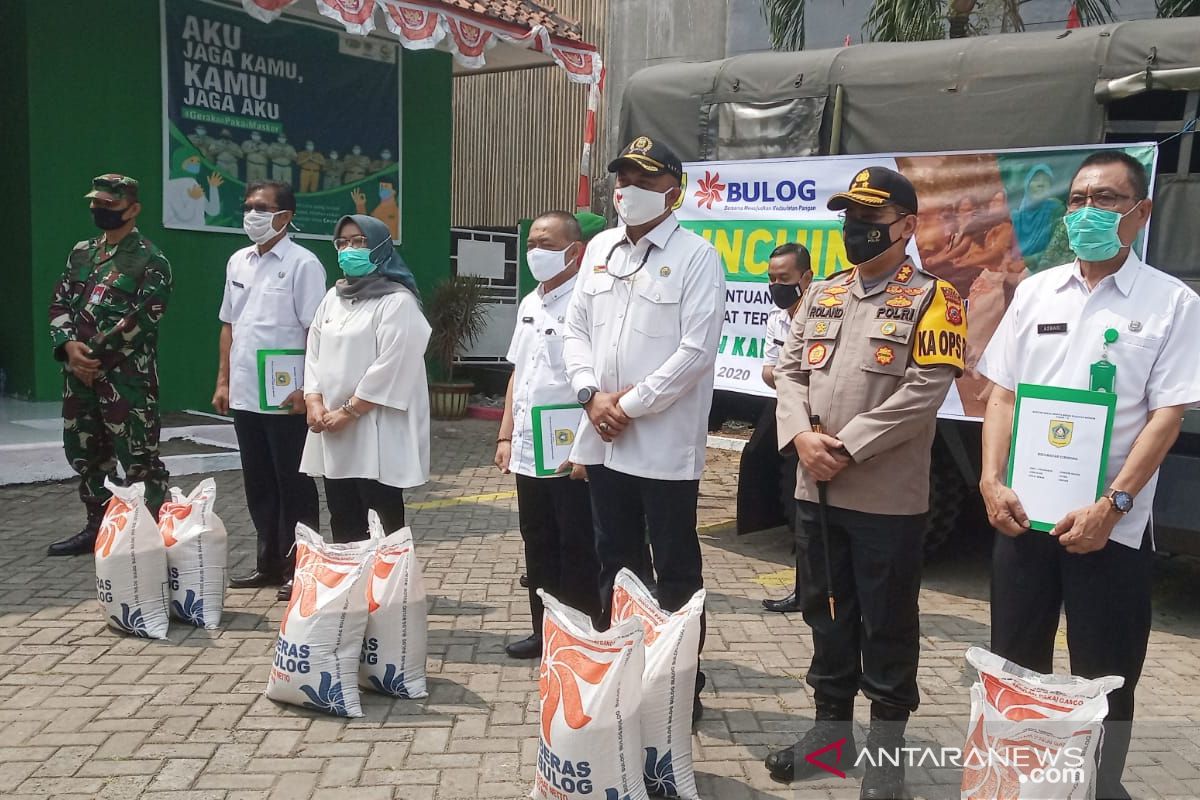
(555, 510)
(641, 343)
(1096, 563)
(272, 290)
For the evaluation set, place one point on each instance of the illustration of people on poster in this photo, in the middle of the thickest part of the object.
(293, 101)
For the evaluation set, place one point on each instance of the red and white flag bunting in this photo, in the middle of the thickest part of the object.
(424, 24)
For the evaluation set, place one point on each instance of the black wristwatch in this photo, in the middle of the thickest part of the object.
(1121, 501)
(586, 394)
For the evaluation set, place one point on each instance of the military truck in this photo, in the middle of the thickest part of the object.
(1121, 83)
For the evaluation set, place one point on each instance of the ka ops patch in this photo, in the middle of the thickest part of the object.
(942, 331)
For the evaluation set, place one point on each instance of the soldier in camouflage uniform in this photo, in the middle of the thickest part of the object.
(104, 326)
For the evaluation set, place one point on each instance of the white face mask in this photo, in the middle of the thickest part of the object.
(545, 264)
(257, 225)
(637, 206)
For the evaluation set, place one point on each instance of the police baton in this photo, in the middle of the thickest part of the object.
(822, 515)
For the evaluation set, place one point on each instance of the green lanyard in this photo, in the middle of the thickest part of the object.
(1104, 372)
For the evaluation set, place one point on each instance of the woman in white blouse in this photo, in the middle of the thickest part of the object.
(365, 384)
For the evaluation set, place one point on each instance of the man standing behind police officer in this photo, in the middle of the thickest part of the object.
(872, 354)
(104, 325)
(641, 343)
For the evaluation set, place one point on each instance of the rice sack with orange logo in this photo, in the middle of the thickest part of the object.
(131, 565)
(1032, 736)
(197, 551)
(668, 684)
(321, 634)
(590, 685)
(393, 651)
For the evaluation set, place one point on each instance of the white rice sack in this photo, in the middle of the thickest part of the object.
(131, 565)
(1032, 736)
(590, 685)
(197, 551)
(668, 683)
(393, 652)
(321, 633)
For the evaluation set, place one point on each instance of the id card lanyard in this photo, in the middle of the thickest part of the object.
(1104, 372)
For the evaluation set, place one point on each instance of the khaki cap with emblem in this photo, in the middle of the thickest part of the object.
(648, 155)
(111, 188)
(875, 187)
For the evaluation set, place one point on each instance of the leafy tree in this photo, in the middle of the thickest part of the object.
(922, 20)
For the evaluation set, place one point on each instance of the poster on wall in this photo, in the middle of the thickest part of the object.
(292, 101)
(986, 221)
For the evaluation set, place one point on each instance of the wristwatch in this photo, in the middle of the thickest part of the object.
(1121, 501)
(586, 394)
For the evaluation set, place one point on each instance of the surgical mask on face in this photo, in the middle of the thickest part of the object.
(355, 262)
(385, 194)
(1092, 232)
(258, 226)
(637, 206)
(545, 264)
(866, 240)
(310, 147)
(356, 151)
(192, 167)
(201, 132)
(109, 219)
(785, 295)
(386, 155)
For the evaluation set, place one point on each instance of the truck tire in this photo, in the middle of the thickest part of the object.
(947, 499)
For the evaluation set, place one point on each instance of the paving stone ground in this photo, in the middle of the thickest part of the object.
(86, 712)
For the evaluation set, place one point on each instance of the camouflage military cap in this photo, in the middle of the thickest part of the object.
(112, 187)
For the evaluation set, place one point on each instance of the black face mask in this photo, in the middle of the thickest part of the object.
(785, 294)
(865, 240)
(109, 219)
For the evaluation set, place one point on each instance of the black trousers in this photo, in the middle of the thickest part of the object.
(1106, 596)
(349, 501)
(278, 495)
(625, 508)
(874, 642)
(555, 515)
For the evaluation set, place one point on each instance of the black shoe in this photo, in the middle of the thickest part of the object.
(524, 581)
(832, 725)
(285, 591)
(787, 605)
(80, 543)
(85, 540)
(884, 778)
(530, 647)
(254, 580)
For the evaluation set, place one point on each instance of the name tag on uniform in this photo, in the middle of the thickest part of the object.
(239, 285)
(97, 295)
(1053, 327)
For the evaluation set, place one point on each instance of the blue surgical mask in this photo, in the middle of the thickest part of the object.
(1092, 232)
(385, 194)
(192, 168)
(355, 262)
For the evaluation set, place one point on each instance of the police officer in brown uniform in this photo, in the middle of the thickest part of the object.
(870, 358)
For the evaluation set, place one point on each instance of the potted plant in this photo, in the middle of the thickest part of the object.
(457, 316)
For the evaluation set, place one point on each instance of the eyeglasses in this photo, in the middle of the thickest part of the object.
(262, 207)
(1109, 201)
(357, 242)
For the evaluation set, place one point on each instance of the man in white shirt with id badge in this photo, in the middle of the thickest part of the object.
(553, 505)
(1107, 322)
(640, 348)
(272, 290)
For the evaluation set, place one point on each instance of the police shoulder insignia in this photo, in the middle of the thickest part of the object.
(904, 274)
(816, 353)
(941, 336)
